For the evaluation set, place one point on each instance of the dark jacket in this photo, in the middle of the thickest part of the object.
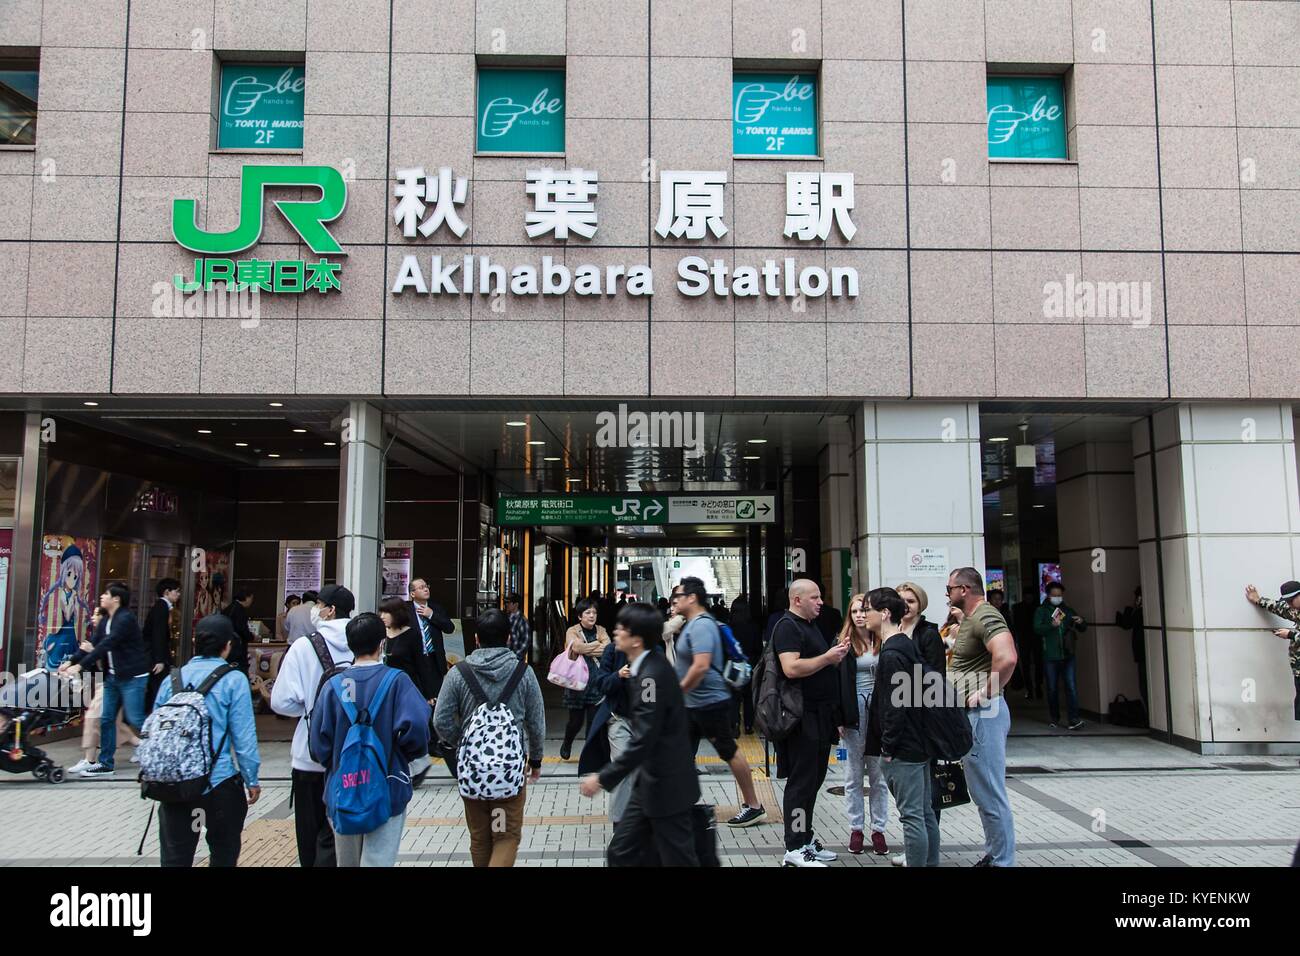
(661, 743)
(439, 624)
(238, 657)
(897, 731)
(604, 677)
(1058, 640)
(158, 633)
(402, 723)
(406, 653)
(926, 637)
(124, 641)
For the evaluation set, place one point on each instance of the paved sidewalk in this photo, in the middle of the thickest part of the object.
(1078, 801)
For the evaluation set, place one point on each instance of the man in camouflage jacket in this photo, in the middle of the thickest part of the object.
(1288, 606)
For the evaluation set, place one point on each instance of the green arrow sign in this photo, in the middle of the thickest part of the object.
(634, 509)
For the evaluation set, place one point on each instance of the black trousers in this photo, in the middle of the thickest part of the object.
(672, 838)
(220, 812)
(575, 722)
(151, 689)
(807, 754)
(311, 825)
(1031, 665)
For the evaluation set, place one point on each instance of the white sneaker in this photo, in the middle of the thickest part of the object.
(899, 859)
(80, 765)
(135, 755)
(804, 856)
(819, 851)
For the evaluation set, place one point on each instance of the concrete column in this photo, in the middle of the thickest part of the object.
(918, 474)
(1097, 528)
(836, 500)
(1223, 512)
(361, 503)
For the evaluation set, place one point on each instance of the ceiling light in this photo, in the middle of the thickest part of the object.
(758, 441)
(300, 431)
(241, 444)
(330, 444)
(205, 431)
(753, 458)
(272, 455)
(276, 404)
(516, 424)
(553, 459)
(1040, 506)
(91, 404)
(536, 442)
(1000, 438)
(1008, 514)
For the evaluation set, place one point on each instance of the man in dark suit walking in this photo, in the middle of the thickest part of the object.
(658, 814)
(158, 636)
(433, 623)
(237, 611)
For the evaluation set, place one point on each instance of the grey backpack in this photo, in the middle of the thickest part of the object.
(176, 752)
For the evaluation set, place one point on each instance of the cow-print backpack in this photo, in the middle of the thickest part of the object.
(490, 757)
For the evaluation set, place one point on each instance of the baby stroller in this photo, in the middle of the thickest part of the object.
(34, 704)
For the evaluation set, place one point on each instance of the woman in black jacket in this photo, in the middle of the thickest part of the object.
(404, 651)
(924, 634)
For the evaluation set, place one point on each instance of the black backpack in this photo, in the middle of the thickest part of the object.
(778, 703)
(328, 667)
(944, 725)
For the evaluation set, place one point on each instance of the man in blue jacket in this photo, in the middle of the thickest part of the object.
(402, 723)
(119, 642)
(223, 807)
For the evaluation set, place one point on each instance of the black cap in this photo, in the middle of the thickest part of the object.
(217, 625)
(339, 598)
(1290, 589)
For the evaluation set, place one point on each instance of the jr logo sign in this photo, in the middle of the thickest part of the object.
(307, 217)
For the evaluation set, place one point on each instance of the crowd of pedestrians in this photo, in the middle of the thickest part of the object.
(912, 704)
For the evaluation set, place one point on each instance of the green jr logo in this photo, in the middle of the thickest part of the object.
(307, 217)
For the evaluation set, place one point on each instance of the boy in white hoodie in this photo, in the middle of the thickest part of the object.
(294, 695)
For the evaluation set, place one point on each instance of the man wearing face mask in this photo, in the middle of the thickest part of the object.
(1057, 624)
(306, 667)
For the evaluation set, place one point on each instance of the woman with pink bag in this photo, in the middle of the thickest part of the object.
(585, 640)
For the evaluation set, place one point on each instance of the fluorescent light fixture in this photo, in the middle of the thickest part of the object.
(241, 444)
(330, 444)
(91, 404)
(516, 424)
(205, 431)
(553, 458)
(1000, 438)
(536, 442)
(300, 431)
(276, 404)
(273, 455)
(757, 441)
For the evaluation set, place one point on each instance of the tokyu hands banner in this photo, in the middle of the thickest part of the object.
(520, 111)
(774, 114)
(1026, 117)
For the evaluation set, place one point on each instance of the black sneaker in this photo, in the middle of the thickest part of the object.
(1076, 725)
(985, 860)
(747, 816)
(98, 771)
(1054, 725)
(564, 752)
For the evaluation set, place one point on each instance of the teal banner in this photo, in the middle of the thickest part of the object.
(520, 111)
(261, 106)
(1026, 117)
(774, 114)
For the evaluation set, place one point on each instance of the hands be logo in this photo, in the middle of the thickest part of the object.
(244, 94)
(1003, 120)
(500, 115)
(753, 101)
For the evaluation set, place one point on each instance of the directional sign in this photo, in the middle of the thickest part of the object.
(634, 509)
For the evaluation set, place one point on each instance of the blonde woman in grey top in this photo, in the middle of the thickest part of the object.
(857, 684)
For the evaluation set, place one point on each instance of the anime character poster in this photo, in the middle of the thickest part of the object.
(211, 584)
(1047, 574)
(63, 614)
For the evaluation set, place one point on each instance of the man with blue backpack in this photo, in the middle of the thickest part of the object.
(708, 672)
(368, 724)
(210, 696)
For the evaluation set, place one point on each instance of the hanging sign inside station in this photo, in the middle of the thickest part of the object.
(632, 509)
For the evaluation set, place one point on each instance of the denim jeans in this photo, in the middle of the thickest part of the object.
(1055, 669)
(986, 778)
(854, 742)
(910, 784)
(376, 848)
(128, 695)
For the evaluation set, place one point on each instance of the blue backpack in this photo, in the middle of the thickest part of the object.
(358, 797)
(736, 669)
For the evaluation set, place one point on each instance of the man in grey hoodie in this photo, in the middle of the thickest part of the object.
(490, 842)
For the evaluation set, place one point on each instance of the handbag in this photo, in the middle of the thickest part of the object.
(1127, 713)
(948, 784)
(569, 672)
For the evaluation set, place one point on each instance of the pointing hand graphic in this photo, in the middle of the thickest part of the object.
(753, 101)
(244, 94)
(500, 115)
(1003, 121)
